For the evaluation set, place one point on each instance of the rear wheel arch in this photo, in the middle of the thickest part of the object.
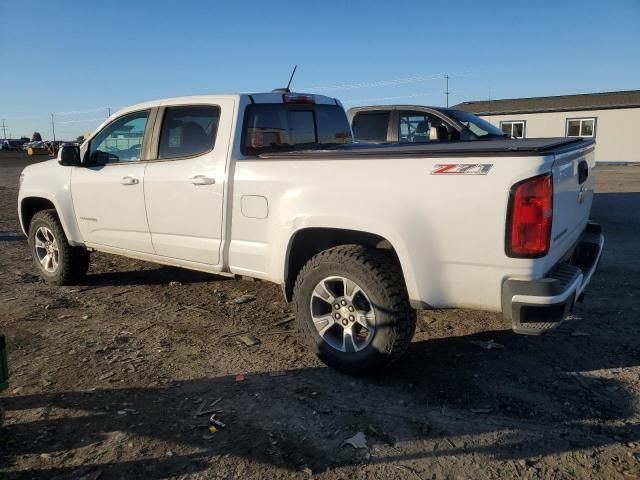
(307, 242)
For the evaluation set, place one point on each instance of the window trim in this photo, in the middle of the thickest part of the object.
(157, 132)
(146, 138)
(524, 127)
(582, 119)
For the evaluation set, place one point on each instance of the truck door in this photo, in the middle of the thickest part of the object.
(184, 187)
(107, 192)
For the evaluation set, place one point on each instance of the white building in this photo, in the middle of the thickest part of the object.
(611, 118)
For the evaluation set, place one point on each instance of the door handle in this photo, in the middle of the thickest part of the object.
(129, 180)
(202, 180)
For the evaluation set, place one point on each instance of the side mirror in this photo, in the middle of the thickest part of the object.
(69, 155)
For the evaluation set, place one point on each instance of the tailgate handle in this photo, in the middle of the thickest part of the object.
(583, 171)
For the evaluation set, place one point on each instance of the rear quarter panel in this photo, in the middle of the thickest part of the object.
(448, 230)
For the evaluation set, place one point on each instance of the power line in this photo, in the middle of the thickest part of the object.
(85, 120)
(88, 110)
(384, 83)
(395, 97)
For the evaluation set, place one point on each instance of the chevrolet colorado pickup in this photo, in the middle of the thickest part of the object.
(272, 186)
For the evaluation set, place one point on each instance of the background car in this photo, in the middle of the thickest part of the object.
(417, 124)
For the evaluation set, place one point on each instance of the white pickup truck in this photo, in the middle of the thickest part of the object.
(271, 186)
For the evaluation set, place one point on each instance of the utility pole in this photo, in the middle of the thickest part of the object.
(446, 89)
(4, 130)
(108, 112)
(53, 127)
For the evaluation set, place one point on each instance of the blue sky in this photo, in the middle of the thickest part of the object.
(85, 56)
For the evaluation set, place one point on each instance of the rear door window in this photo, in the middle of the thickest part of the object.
(188, 131)
(279, 126)
(371, 126)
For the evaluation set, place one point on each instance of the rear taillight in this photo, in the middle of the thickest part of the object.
(529, 217)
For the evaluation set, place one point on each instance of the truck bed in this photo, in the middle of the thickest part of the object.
(495, 147)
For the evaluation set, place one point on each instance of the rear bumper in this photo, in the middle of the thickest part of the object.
(536, 306)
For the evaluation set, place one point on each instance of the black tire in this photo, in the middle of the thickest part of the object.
(380, 278)
(73, 262)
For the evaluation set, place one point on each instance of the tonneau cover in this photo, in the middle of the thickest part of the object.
(495, 147)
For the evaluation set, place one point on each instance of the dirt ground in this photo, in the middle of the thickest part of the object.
(110, 378)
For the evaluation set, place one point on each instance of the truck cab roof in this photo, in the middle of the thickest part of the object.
(260, 97)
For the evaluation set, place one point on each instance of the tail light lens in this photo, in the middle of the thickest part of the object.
(529, 217)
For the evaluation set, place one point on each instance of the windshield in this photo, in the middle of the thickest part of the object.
(478, 126)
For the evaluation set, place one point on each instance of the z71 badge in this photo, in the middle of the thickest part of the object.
(462, 169)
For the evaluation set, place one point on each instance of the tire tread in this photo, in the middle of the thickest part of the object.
(389, 278)
(74, 261)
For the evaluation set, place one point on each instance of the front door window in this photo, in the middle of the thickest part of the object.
(120, 141)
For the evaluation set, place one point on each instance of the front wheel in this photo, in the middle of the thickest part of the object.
(58, 262)
(352, 307)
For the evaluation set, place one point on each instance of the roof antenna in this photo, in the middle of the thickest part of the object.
(291, 77)
(286, 89)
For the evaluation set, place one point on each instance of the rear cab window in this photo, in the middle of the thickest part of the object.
(371, 126)
(272, 127)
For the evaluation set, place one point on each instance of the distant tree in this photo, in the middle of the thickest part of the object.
(25, 138)
(36, 137)
(80, 139)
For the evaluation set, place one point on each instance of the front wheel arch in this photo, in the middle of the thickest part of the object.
(29, 206)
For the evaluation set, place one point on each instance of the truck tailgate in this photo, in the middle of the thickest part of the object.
(573, 195)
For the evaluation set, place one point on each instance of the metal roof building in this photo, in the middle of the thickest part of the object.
(610, 117)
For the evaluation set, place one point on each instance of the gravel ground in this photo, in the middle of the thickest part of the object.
(110, 378)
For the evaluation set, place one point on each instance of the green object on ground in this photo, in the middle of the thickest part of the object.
(4, 368)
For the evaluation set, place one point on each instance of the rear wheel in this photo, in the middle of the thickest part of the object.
(58, 262)
(352, 307)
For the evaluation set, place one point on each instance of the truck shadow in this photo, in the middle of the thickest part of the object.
(11, 236)
(151, 276)
(292, 420)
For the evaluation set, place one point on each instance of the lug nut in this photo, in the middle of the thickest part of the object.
(337, 315)
(343, 302)
(344, 322)
(352, 318)
(336, 306)
(350, 308)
